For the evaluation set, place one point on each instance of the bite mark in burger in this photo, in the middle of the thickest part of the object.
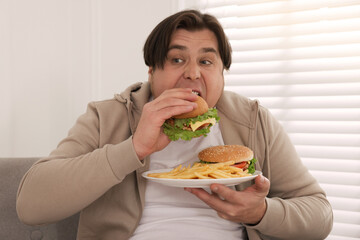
(243, 157)
(191, 124)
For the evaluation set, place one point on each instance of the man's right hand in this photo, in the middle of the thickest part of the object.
(149, 136)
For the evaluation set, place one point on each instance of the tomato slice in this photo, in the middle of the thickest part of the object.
(203, 126)
(240, 165)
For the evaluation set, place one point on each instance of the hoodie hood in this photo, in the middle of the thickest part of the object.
(228, 106)
(134, 98)
(137, 94)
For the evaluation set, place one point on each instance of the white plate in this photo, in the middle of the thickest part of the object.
(197, 183)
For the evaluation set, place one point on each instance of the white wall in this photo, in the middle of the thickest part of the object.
(56, 56)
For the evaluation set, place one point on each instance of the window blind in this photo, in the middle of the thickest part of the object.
(301, 59)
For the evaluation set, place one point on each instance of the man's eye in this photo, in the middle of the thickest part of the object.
(206, 62)
(177, 60)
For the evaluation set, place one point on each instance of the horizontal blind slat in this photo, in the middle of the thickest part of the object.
(316, 114)
(343, 191)
(294, 90)
(331, 26)
(331, 127)
(326, 139)
(296, 65)
(332, 51)
(329, 165)
(338, 237)
(311, 102)
(347, 217)
(306, 16)
(340, 178)
(309, 77)
(310, 40)
(204, 4)
(345, 204)
(347, 230)
(273, 7)
(330, 152)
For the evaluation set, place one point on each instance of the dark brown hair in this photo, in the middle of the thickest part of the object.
(157, 43)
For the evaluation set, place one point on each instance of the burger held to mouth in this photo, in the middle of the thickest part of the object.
(191, 124)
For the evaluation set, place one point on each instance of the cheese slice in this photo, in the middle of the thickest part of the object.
(195, 126)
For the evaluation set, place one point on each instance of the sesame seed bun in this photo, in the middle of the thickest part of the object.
(202, 107)
(225, 153)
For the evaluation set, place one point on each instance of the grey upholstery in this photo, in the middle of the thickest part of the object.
(11, 172)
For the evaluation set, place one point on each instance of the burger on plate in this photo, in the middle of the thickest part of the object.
(191, 124)
(243, 157)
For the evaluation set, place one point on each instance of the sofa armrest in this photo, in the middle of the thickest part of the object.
(11, 172)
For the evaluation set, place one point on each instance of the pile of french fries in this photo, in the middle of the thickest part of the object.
(203, 171)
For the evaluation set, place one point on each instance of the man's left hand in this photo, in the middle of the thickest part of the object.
(247, 206)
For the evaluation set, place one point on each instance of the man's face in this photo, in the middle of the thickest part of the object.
(193, 61)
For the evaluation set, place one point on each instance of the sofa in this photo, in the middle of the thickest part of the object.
(11, 172)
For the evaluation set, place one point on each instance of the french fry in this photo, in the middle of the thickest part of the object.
(203, 171)
(202, 176)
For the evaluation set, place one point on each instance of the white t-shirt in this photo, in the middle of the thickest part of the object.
(171, 212)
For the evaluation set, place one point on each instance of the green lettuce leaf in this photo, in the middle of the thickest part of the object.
(205, 162)
(211, 113)
(176, 132)
(251, 168)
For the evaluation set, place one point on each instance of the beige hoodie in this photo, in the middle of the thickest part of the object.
(95, 170)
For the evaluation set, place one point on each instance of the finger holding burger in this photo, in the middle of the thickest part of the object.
(149, 136)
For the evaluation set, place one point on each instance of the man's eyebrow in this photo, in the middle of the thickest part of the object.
(209, 49)
(202, 50)
(180, 47)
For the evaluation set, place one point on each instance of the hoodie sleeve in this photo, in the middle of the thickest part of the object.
(76, 173)
(297, 207)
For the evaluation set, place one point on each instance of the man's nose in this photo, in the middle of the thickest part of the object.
(192, 71)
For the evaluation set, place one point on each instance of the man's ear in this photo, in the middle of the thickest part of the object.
(150, 72)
